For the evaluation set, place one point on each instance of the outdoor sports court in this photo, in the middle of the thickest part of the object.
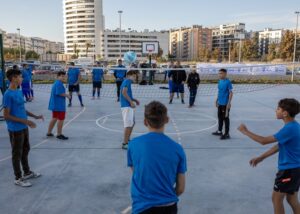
(89, 174)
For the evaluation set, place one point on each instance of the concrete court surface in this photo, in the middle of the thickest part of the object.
(88, 173)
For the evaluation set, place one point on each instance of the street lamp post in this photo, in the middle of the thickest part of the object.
(229, 56)
(240, 49)
(19, 30)
(120, 31)
(295, 45)
(129, 29)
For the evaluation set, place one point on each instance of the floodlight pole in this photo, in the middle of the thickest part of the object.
(19, 30)
(120, 31)
(295, 45)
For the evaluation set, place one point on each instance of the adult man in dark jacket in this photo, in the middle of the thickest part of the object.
(193, 83)
(178, 76)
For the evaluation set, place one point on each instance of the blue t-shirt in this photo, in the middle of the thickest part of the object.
(57, 102)
(26, 75)
(225, 87)
(97, 74)
(289, 146)
(1, 79)
(120, 74)
(157, 160)
(73, 75)
(14, 101)
(126, 84)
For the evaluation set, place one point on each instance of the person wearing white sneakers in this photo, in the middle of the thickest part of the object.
(16, 116)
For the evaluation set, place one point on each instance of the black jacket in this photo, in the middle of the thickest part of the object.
(178, 76)
(193, 80)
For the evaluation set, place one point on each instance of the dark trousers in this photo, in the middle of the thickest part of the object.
(151, 77)
(119, 83)
(161, 210)
(20, 150)
(223, 116)
(193, 94)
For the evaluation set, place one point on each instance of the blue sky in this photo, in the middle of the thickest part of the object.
(43, 18)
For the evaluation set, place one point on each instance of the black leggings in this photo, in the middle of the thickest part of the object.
(119, 83)
(161, 210)
(223, 116)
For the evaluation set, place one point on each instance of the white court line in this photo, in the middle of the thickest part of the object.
(127, 210)
(100, 125)
(45, 141)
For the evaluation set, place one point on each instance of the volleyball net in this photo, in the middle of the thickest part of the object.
(154, 82)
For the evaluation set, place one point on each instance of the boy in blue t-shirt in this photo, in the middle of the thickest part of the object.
(158, 164)
(287, 180)
(57, 104)
(17, 122)
(98, 76)
(26, 83)
(1, 82)
(120, 75)
(223, 103)
(128, 104)
(73, 82)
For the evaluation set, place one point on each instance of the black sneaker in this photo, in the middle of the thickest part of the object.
(125, 146)
(50, 135)
(82, 105)
(171, 101)
(225, 137)
(62, 137)
(182, 101)
(217, 133)
(70, 105)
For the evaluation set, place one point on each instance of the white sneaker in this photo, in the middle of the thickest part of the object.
(31, 175)
(22, 183)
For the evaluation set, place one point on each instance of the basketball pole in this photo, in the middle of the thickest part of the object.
(2, 64)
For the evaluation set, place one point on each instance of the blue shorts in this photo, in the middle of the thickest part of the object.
(177, 88)
(170, 86)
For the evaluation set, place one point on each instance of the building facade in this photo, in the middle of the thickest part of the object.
(225, 34)
(83, 24)
(187, 42)
(269, 36)
(131, 41)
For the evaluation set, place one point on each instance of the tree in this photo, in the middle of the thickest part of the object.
(216, 53)
(287, 46)
(87, 46)
(272, 52)
(32, 55)
(204, 54)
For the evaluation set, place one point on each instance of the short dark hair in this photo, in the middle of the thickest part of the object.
(156, 114)
(223, 70)
(61, 73)
(290, 105)
(132, 72)
(72, 63)
(11, 73)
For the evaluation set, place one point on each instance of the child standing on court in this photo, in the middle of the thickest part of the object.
(128, 104)
(158, 165)
(193, 84)
(120, 75)
(57, 105)
(17, 122)
(287, 180)
(73, 82)
(223, 103)
(26, 83)
(98, 76)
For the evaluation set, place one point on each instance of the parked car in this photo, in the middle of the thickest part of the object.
(48, 69)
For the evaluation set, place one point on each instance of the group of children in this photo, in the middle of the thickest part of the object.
(155, 187)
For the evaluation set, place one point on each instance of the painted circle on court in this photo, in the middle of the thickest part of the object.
(100, 122)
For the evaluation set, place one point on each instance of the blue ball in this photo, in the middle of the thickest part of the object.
(130, 57)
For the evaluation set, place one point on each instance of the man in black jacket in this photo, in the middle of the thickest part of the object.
(193, 83)
(178, 76)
